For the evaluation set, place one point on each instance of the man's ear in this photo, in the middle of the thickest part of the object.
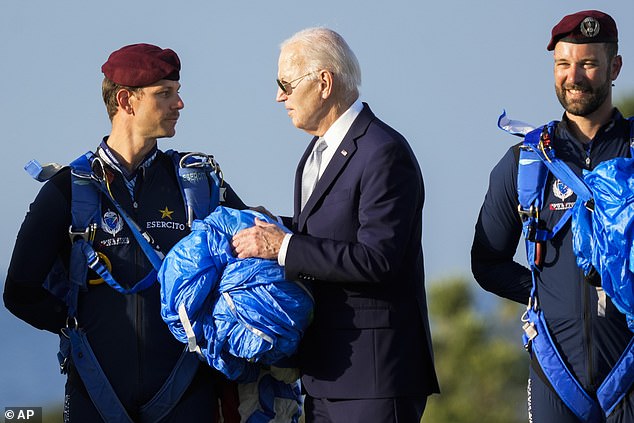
(325, 80)
(617, 63)
(124, 101)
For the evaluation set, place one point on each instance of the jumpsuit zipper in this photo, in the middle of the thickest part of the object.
(587, 302)
(138, 306)
(587, 331)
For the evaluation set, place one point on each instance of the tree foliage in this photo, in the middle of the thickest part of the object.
(626, 105)
(482, 369)
(52, 414)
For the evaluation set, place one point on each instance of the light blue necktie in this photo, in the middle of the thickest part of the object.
(311, 170)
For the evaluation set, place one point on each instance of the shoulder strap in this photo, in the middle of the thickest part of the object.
(537, 159)
(201, 182)
(540, 141)
(87, 186)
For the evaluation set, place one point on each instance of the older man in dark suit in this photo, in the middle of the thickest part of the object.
(356, 238)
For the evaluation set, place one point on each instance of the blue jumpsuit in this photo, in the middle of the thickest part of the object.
(588, 329)
(126, 332)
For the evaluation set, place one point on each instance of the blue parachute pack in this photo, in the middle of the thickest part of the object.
(599, 193)
(239, 315)
(201, 184)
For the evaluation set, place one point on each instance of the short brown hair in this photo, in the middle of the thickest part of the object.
(109, 92)
(612, 49)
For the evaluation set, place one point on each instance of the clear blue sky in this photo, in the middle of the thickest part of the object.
(439, 72)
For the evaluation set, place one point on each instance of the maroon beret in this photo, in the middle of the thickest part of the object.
(138, 65)
(588, 26)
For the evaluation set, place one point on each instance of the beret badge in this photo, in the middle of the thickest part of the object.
(590, 27)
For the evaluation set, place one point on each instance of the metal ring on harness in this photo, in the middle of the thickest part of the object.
(101, 257)
(98, 168)
(532, 303)
(63, 331)
(205, 159)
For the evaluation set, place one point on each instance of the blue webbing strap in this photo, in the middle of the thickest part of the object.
(533, 140)
(164, 401)
(99, 389)
(95, 264)
(199, 183)
(193, 180)
(574, 396)
(143, 239)
(85, 208)
(531, 173)
(532, 169)
(618, 382)
(105, 398)
(535, 162)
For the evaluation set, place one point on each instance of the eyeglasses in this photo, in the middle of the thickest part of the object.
(287, 88)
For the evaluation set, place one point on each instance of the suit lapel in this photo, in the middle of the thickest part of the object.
(344, 153)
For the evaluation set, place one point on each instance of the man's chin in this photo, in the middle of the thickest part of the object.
(580, 110)
(169, 135)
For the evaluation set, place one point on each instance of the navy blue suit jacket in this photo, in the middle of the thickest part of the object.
(358, 241)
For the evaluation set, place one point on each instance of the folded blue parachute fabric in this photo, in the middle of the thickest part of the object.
(604, 238)
(236, 313)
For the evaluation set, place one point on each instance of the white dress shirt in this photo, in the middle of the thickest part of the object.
(333, 137)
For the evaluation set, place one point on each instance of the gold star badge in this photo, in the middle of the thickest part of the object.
(166, 213)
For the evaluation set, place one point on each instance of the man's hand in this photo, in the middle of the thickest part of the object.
(262, 240)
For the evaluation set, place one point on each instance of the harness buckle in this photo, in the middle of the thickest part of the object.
(87, 234)
(530, 332)
(532, 212)
(530, 218)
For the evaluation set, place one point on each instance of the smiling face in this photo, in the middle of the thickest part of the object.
(583, 77)
(157, 109)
